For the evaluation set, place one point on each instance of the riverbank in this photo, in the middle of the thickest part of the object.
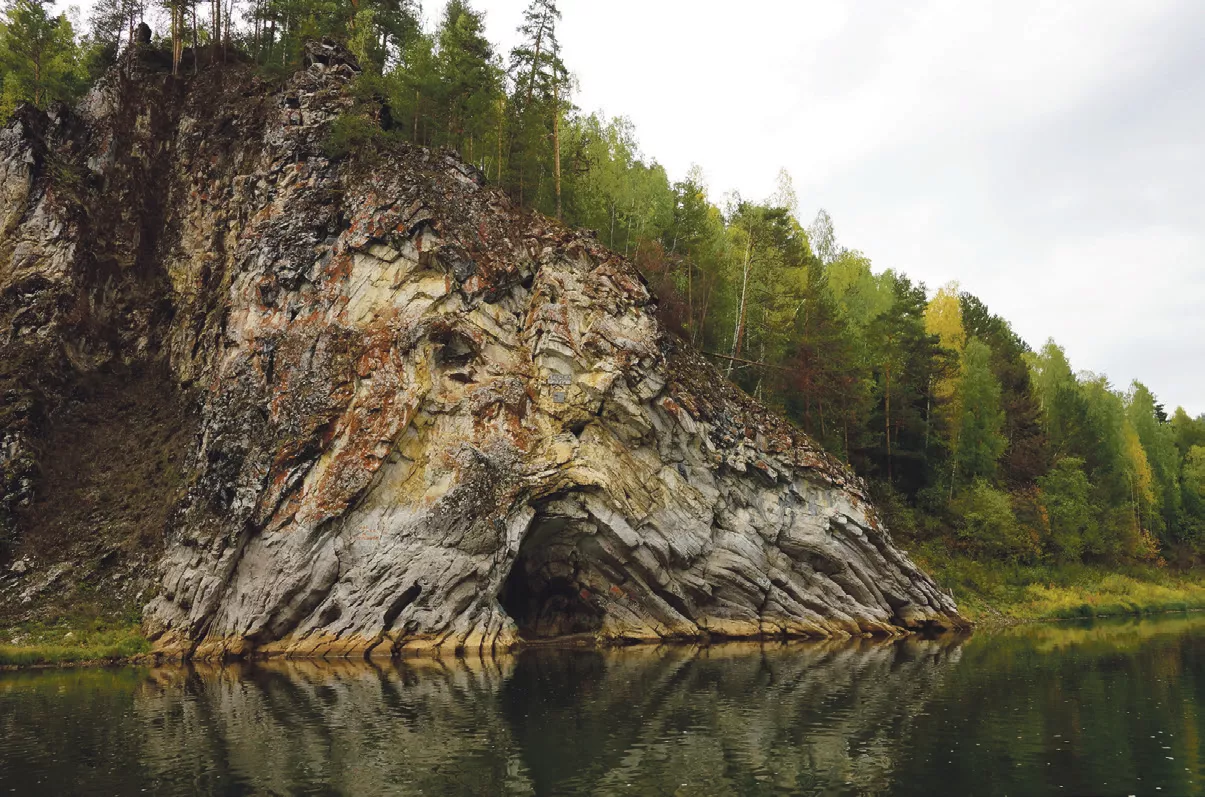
(988, 593)
(94, 641)
(992, 593)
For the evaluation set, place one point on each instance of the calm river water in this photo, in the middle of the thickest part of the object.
(1109, 708)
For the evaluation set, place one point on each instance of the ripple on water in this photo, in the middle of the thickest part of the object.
(1045, 710)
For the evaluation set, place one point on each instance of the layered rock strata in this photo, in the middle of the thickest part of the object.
(427, 419)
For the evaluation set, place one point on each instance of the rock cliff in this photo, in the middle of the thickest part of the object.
(404, 413)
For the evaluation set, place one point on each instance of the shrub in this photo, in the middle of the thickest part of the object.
(988, 525)
(353, 132)
(1064, 496)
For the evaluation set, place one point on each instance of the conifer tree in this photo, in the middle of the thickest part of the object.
(37, 55)
(540, 90)
(469, 80)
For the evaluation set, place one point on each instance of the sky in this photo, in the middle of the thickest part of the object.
(1049, 156)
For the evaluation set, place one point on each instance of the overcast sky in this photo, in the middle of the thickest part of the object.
(1050, 156)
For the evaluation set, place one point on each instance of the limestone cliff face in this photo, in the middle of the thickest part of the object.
(425, 418)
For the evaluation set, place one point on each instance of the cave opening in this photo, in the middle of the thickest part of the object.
(552, 588)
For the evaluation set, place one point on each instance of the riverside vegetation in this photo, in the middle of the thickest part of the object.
(1031, 490)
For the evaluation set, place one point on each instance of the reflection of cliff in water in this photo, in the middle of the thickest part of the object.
(1094, 708)
(730, 718)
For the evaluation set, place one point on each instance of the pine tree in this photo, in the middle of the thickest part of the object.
(469, 81)
(113, 21)
(540, 94)
(38, 55)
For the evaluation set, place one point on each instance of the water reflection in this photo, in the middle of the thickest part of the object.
(1051, 709)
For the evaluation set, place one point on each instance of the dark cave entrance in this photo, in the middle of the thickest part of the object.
(553, 586)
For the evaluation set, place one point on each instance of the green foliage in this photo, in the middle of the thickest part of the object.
(1065, 498)
(990, 591)
(1025, 455)
(904, 363)
(354, 133)
(375, 30)
(39, 57)
(70, 642)
(1159, 447)
(988, 525)
(980, 442)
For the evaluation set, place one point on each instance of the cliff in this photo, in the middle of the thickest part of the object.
(348, 405)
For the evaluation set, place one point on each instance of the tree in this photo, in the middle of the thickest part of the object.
(37, 55)
(112, 20)
(696, 236)
(1026, 454)
(379, 29)
(980, 442)
(469, 80)
(771, 255)
(989, 526)
(823, 376)
(823, 237)
(943, 318)
(904, 359)
(1159, 446)
(178, 11)
(540, 92)
(1186, 431)
(1064, 496)
(1192, 491)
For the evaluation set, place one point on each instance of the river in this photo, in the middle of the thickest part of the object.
(1103, 708)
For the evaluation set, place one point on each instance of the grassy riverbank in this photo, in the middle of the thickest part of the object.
(71, 642)
(988, 592)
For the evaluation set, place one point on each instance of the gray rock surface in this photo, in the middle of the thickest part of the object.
(426, 419)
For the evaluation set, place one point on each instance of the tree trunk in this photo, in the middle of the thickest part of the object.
(887, 417)
(690, 296)
(845, 417)
(501, 115)
(556, 145)
(196, 48)
(697, 339)
(739, 331)
(535, 62)
(215, 14)
(177, 44)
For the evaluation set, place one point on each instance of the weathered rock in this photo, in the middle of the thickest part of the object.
(427, 419)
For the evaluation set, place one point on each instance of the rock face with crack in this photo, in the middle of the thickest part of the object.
(426, 419)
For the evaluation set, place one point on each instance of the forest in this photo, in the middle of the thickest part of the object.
(972, 440)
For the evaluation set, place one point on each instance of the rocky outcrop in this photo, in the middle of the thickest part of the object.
(426, 419)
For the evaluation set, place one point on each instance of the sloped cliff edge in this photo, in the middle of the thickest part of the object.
(417, 417)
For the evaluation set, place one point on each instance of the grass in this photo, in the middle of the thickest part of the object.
(71, 642)
(988, 591)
